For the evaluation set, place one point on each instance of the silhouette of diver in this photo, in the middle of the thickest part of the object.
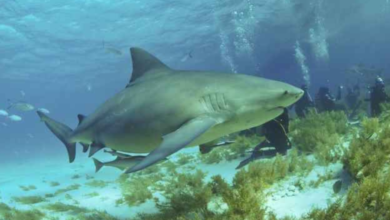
(303, 105)
(377, 97)
(275, 132)
(325, 101)
(353, 101)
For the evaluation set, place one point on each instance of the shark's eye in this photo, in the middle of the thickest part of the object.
(285, 92)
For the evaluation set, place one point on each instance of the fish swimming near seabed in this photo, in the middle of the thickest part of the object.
(117, 154)
(163, 110)
(120, 163)
(21, 106)
(3, 113)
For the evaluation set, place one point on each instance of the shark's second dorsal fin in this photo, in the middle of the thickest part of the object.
(81, 118)
(144, 62)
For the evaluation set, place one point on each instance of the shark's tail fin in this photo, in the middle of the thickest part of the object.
(62, 132)
(98, 164)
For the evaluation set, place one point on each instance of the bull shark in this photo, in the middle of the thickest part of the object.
(163, 110)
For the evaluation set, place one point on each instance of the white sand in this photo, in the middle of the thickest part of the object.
(284, 201)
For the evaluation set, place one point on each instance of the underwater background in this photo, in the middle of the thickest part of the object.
(70, 56)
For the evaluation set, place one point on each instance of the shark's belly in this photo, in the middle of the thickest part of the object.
(138, 132)
(135, 142)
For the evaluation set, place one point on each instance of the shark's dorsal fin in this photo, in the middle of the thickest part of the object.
(81, 118)
(144, 62)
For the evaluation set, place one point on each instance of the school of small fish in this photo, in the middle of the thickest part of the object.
(20, 107)
(5, 114)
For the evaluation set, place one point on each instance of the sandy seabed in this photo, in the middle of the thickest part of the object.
(286, 199)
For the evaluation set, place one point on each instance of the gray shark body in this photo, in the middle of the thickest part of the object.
(163, 110)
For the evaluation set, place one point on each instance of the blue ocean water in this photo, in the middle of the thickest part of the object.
(70, 56)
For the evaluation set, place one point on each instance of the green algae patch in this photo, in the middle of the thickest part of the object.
(189, 196)
(97, 183)
(67, 189)
(76, 176)
(9, 213)
(49, 195)
(92, 195)
(369, 150)
(185, 159)
(320, 134)
(94, 215)
(54, 184)
(366, 200)
(138, 189)
(366, 160)
(62, 207)
(232, 151)
(28, 188)
(29, 200)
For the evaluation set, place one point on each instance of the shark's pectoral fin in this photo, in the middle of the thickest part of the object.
(176, 140)
(95, 147)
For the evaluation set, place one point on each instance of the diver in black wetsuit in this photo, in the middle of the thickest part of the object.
(353, 101)
(303, 105)
(275, 132)
(325, 101)
(352, 96)
(377, 97)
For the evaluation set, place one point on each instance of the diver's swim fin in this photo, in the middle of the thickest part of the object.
(62, 132)
(175, 141)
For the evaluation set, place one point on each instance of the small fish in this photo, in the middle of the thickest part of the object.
(22, 93)
(3, 113)
(186, 57)
(21, 106)
(118, 154)
(120, 163)
(113, 51)
(43, 110)
(4, 124)
(14, 118)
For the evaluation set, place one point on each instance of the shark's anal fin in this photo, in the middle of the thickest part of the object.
(95, 147)
(85, 147)
(176, 140)
(81, 118)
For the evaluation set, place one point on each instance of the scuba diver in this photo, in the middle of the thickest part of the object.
(353, 101)
(275, 132)
(325, 101)
(377, 97)
(304, 103)
(352, 96)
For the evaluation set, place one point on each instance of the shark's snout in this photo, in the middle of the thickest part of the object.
(296, 93)
(290, 96)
